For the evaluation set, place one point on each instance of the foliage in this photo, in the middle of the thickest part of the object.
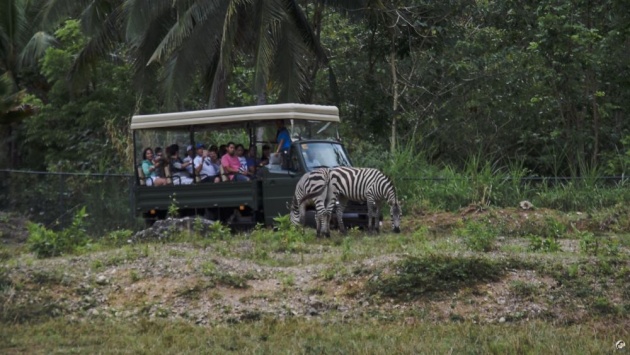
(90, 133)
(284, 237)
(119, 237)
(416, 276)
(477, 236)
(45, 242)
(597, 245)
(545, 244)
(219, 231)
(173, 210)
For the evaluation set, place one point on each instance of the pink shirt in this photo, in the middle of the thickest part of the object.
(231, 161)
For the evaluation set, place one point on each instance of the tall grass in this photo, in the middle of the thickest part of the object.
(481, 181)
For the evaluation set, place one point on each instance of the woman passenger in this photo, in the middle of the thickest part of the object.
(149, 168)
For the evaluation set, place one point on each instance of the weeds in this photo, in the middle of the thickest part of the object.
(523, 289)
(209, 269)
(219, 231)
(593, 245)
(45, 242)
(543, 244)
(477, 236)
(417, 276)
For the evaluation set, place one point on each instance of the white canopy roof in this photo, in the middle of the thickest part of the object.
(237, 114)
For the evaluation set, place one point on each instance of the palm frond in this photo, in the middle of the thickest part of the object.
(304, 28)
(289, 71)
(143, 47)
(53, 12)
(196, 15)
(97, 47)
(144, 15)
(14, 25)
(189, 60)
(36, 48)
(96, 14)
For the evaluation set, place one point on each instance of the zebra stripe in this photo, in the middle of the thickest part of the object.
(363, 185)
(312, 188)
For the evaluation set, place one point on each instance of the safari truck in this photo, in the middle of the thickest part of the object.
(314, 138)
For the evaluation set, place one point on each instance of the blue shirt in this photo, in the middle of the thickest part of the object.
(283, 134)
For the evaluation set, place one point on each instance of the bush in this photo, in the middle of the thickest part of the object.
(45, 242)
(477, 236)
(416, 276)
(544, 244)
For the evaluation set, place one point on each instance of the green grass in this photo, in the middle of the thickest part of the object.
(295, 336)
(415, 270)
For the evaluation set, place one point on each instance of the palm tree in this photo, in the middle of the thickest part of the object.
(204, 37)
(102, 22)
(21, 45)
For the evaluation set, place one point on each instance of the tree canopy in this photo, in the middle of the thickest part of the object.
(545, 83)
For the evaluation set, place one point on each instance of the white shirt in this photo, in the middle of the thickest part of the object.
(189, 167)
(207, 169)
(313, 163)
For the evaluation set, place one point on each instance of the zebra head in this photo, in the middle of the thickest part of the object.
(396, 212)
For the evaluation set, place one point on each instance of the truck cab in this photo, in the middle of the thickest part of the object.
(314, 143)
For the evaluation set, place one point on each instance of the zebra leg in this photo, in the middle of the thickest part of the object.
(303, 213)
(318, 225)
(377, 213)
(371, 217)
(340, 208)
(325, 217)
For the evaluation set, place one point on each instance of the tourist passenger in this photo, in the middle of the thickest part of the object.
(204, 167)
(190, 155)
(222, 150)
(214, 157)
(160, 161)
(240, 153)
(178, 167)
(251, 159)
(149, 169)
(265, 157)
(231, 164)
(282, 138)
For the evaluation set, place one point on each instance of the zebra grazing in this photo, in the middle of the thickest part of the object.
(363, 184)
(312, 187)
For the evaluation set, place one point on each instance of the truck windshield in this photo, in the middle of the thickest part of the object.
(324, 154)
(310, 129)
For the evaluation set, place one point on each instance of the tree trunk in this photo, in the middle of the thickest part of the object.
(394, 96)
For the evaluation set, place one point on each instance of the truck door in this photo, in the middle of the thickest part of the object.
(279, 186)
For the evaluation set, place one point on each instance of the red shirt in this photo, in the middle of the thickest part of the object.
(231, 161)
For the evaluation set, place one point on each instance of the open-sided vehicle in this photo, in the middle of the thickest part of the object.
(314, 135)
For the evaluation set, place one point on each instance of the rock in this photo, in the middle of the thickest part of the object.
(502, 320)
(101, 280)
(526, 205)
(165, 228)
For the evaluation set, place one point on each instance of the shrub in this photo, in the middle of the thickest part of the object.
(47, 243)
(416, 276)
(544, 244)
(477, 236)
(592, 245)
(219, 231)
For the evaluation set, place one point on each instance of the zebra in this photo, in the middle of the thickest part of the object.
(363, 184)
(312, 187)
